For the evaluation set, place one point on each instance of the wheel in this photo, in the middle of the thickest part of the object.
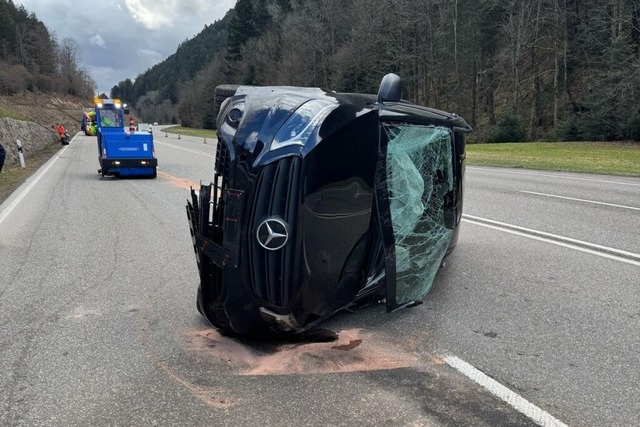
(220, 93)
(154, 174)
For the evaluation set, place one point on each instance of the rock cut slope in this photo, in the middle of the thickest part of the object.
(30, 116)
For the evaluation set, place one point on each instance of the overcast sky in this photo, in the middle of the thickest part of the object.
(121, 39)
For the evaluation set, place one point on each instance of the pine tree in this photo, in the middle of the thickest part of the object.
(241, 29)
(261, 17)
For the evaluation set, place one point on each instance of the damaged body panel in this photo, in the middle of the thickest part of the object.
(321, 200)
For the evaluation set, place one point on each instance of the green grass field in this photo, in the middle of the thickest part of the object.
(615, 158)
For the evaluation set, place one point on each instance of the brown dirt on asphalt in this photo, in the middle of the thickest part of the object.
(179, 182)
(211, 396)
(354, 351)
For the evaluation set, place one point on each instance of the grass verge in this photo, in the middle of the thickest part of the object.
(6, 112)
(612, 158)
(13, 175)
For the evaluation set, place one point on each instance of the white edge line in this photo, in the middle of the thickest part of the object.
(20, 196)
(559, 175)
(568, 242)
(565, 245)
(581, 200)
(520, 404)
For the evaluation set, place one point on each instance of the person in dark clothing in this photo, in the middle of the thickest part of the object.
(3, 154)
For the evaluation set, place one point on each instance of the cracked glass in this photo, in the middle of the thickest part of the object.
(419, 177)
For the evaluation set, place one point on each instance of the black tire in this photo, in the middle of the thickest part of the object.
(220, 93)
(154, 174)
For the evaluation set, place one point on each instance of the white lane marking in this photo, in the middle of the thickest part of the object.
(186, 149)
(554, 176)
(519, 403)
(566, 242)
(582, 200)
(5, 213)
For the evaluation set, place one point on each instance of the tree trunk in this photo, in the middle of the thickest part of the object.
(455, 54)
(536, 107)
(21, 35)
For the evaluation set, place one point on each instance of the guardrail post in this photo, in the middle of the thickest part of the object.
(20, 153)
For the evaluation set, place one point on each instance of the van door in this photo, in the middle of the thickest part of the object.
(414, 181)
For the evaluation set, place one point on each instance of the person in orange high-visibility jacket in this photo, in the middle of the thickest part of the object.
(61, 130)
(62, 133)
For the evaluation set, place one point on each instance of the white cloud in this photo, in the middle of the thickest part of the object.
(152, 54)
(134, 34)
(156, 14)
(152, 15)
(97, 40)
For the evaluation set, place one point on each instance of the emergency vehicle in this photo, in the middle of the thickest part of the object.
(122, 152)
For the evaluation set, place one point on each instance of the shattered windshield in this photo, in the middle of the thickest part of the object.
(419, 176)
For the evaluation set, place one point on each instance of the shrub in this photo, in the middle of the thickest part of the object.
(13, 78)
(45, 83)
(568, 130)
(632, 129)
(600, 127)
(508, 129)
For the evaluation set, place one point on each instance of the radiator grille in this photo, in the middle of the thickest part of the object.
(276, 195)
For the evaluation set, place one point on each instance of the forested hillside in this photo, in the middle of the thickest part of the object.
(515, 69)
(32, 59)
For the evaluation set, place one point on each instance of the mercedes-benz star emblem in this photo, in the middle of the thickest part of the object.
(272, 234)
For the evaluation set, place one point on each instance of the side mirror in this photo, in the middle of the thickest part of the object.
(390, 89)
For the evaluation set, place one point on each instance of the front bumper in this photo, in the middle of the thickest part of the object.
(110, 163)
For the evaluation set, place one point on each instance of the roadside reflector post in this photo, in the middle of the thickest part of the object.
(20, 153)
(178, 136)
(165, 135)
(205, 139)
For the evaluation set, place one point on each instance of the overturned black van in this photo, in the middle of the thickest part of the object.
(323, 200)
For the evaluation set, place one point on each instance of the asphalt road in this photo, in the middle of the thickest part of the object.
(99, 327)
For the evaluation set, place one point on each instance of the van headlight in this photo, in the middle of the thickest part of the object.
(234, 113)
(302, 123)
